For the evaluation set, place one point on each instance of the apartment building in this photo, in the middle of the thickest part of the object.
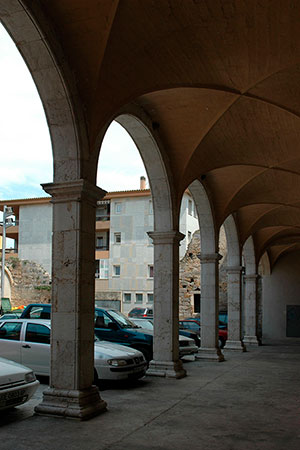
(123, 250)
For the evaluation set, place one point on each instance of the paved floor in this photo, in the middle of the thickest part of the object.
(251, 401)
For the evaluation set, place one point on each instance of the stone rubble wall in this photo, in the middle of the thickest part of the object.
(31, 283)
(190, 275)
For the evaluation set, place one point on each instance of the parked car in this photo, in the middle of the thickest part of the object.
(147, 324)
(27, 341)
(141, 312)
(17, 384)
(186, 344)
(194, 324)
(37, 311)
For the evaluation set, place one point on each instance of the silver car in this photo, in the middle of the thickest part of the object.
(27, 341)
(17, 384)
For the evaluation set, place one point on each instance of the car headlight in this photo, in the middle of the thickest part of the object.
(29, 377)
(117, 362)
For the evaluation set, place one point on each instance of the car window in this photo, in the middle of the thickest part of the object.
(101, 320)
(11, 330)
(37, 333)
(38, 312)
(190, 325)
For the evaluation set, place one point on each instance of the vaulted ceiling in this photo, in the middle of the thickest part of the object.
(221, 78)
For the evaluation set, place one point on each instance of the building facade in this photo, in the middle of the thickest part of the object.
(124, 269)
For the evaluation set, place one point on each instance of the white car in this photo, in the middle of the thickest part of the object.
(27, 341)
(17, 384)
(187, 345)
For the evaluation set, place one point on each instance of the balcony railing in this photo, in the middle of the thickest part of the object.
(102, 247)
(102, 218)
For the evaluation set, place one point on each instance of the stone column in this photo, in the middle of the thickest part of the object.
(209, 349)
(71, 393)
(166, 362)
(234, 341)
(250, 313)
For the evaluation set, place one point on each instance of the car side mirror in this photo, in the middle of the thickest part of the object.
(112, 326)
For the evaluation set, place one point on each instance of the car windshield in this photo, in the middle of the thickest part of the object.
(122, 320)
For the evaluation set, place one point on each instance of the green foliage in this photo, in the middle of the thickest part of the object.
(43, 288)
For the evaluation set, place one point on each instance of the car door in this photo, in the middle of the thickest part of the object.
(35, 348)
(102, 328)
(10, 340)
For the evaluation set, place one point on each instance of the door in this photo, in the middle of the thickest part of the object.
(293, 321)
(10, 341)
(35, 349)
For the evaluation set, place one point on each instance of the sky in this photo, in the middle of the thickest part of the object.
(25, 147)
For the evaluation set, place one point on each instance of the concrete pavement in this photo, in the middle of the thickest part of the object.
(250, 401)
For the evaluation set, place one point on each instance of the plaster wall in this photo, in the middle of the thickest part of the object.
(132, 217)
(280, 289)
(35, 234)
(188, 223)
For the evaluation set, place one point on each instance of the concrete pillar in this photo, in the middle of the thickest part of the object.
(71, 393)
(234, 341)
(250, 313)
(166, 362)
(209, 349)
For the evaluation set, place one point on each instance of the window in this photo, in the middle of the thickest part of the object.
(150, 271)
(37, 333)
(118, 207)
(139, 298)
(101, 269)
(117, 271)
(150, 298)
(117, 238)
(190, 207)
(127, 298)
(99, 242)
(11, 330)
(102, 320)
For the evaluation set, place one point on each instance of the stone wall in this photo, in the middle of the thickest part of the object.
(190, 275)
(30, 282)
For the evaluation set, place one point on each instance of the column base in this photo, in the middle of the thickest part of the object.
(168, 369)
(251, 340)
(210, 354)
(235, 345)
(76, 404)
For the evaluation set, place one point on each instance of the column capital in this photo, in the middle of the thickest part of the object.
(74, 190)
(209, 257)
(234, 269)
(166, 237)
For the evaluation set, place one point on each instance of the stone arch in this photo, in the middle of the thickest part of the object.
(158, 173)
(249, 257)
(43, 57)
(207, 226)
(264, 266)
(233, 246)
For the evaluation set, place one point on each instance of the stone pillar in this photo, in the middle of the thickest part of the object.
(209, 349)
(250, 310)
(166, 362)
(234, 341)
(71, 393)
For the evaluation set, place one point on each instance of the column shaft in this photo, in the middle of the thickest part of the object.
(72, 336)
(166, 305)
(234, 341)
(250, 310)
(210, 308)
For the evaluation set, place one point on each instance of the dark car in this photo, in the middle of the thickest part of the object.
(141, 312)
(194, 325)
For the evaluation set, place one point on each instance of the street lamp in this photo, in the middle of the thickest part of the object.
(7, 212)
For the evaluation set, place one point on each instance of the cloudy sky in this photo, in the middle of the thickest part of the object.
(26, 156)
